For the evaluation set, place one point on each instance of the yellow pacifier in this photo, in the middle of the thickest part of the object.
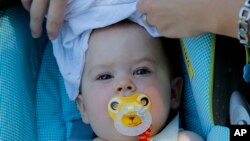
(131, 114)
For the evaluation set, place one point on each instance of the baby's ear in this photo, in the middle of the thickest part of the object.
(82, 109)
(176, 90)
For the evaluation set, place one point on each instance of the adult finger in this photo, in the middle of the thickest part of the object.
(143, 6)
(37, 13)
(26, 4)
(55, 17)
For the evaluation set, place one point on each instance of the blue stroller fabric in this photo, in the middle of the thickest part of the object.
(200, 51)
(33, 102)
(198, 91)
(56, 113)
(20, 58)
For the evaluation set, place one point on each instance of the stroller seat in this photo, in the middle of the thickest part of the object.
(34, 104)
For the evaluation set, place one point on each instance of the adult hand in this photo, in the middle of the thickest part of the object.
(185, 18)
(38, 9)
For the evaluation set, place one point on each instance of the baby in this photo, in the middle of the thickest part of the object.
(123, 62)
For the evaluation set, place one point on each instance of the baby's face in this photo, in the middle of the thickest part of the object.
(120, 61)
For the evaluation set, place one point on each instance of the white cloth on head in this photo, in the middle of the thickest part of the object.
(81, 17)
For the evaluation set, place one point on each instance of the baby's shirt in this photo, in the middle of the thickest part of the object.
(170, 132)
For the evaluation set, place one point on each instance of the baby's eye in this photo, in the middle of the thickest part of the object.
(141, 71)
(104, 77)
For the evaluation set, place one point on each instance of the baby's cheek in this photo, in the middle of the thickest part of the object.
(159, 117)
(160, 112)
(100, 120)
(98, 110)
(100, 96)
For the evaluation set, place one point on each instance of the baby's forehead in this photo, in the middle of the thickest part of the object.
(125, 33)
(123, 28)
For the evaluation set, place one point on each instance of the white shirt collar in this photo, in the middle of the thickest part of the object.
(170, 132)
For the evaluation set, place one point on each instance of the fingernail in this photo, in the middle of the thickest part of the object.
(35, 32)
(34, 35)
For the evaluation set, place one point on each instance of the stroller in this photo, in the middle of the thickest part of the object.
(34, 104)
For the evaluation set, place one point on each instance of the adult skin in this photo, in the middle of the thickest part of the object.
(38, 9)
(173, 18)
(185, 18)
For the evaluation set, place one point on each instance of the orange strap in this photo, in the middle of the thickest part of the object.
(145, 136)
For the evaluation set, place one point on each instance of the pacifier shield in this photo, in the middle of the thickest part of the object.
(131, 114)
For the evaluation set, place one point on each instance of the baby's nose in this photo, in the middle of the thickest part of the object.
(124, 87)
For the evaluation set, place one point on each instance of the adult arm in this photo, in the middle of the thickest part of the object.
(185, 18)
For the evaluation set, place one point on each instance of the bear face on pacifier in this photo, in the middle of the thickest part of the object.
(131, 114)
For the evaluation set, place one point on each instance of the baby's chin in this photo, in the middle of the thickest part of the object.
(119, 137)
(114, 135)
